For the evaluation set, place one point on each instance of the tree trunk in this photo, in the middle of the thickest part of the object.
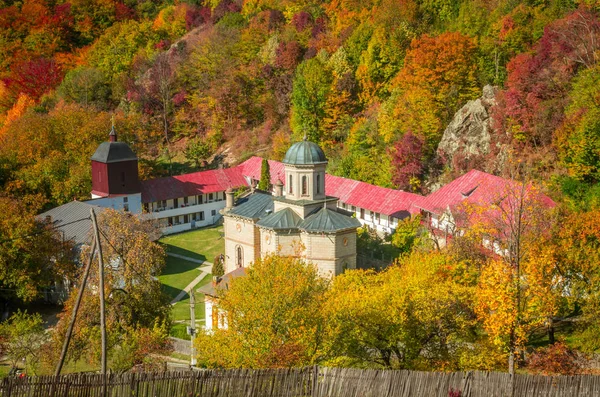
(511, 362)
(551, 338)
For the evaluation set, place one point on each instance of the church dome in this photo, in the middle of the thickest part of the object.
(304, 153)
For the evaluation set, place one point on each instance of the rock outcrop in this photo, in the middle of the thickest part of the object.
(468, 135)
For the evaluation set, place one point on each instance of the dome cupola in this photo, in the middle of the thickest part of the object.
(304, 153)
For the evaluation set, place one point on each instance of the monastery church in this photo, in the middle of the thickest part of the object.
(298, 219)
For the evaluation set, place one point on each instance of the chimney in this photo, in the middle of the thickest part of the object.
(113, 134)
(278, 188)
(228, 199)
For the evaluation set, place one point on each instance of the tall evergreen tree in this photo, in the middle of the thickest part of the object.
(265, 176)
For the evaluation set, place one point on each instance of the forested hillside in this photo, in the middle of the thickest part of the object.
(370, 81)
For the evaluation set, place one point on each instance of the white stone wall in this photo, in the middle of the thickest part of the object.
(177, 216)
(131, 202)
(243, 233)
(208, 313)
(320, 250)
(345, 251)
(294, 175)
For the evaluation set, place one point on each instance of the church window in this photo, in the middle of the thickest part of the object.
(291, 186)
(199, 199)
(318, 183)
(304, 185)
(362, 213)
(239, 256)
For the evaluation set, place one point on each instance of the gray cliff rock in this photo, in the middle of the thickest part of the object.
(469, 133)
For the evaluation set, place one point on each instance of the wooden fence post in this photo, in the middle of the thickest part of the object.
(315, 381)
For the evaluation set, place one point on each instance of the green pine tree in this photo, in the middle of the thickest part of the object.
(265, 177)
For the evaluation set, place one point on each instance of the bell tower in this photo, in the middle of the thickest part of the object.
(114, 169)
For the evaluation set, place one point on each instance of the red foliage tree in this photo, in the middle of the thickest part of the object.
(288, 55)
(556, 359)
(34, 78)
(407, 162)
(302, 20)
(196, 16)
(532, 105)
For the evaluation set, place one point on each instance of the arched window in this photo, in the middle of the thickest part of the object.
(318, 183)
(304, 185)
(239, 256)
(291, 189)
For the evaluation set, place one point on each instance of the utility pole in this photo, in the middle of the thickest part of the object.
(101, 293)
(192, 326)
(86, 272)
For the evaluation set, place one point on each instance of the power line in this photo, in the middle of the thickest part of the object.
(54, 227)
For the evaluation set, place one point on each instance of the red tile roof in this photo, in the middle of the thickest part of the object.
(475, 187)
(192, 184)
(391, 202)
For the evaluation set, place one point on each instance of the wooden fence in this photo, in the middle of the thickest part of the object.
(303, 382)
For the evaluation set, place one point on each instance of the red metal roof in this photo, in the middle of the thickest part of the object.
(253, 166)
(192, 184)
(386, 201)
(475, 187)
(391, 202)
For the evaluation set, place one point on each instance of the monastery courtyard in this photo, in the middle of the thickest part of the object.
(189, 263)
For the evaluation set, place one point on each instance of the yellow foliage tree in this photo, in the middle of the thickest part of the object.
(416, 314)
(273, 317)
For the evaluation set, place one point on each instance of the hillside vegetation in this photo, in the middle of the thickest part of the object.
(365, 79)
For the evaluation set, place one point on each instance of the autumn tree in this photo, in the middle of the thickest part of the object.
(273, 316)
(577, 242)
(516, 290)
(309, 95)
(439, 76)
(42, 255)
(578, 139)
(532, 106)
(22, 335)
(162, 86)
(137, 310)
(86, 86)
(408, 162)
(197, 150)
(413, 315)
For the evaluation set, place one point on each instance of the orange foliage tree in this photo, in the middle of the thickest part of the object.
(517, 289)
(439, 76)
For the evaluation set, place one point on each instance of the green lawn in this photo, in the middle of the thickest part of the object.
(181, 310)
(203, 244)
(178, 273)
